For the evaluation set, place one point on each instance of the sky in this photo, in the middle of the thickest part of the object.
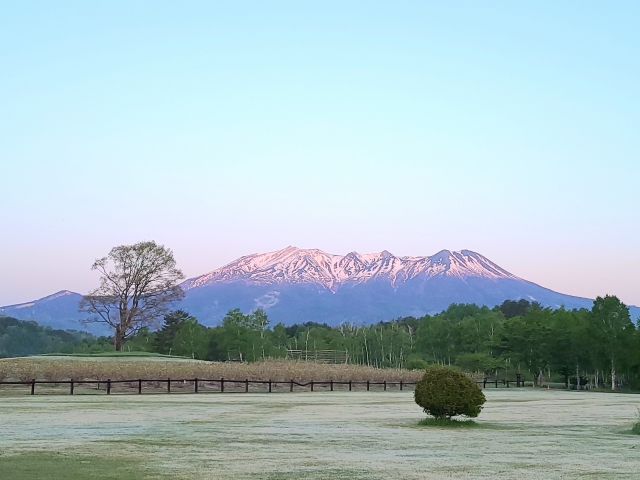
(221, 129)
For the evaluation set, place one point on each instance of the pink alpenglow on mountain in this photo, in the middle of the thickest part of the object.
(299, 266)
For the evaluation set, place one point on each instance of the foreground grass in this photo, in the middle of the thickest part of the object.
(315, 436)
(448, 423)
(53, 466)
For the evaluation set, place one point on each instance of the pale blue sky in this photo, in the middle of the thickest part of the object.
(227, 128)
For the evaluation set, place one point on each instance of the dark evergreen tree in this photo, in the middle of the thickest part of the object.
(165, 336)
(519, 308)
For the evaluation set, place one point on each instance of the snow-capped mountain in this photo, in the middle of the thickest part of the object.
(298, 285)
(299, 266)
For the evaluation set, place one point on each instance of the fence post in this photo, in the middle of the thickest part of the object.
(33, 386)
(196, 385)
(168, 385)
(331, 383)
(71, 387)
(246, 386)
(349, 385)
(291, 385)
(385, 385)
(269, 386)
(139, 386)
(312, 385)
(496, 383)
(222, 385)
(484, 383)
(108, 386)
(400, 385)
(507, 383)
(367, 385)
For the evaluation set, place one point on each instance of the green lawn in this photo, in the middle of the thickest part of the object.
(102, 355)
(70, 466)
(521, 434)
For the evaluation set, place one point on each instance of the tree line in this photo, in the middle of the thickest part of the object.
(600, 346)
(20, 338)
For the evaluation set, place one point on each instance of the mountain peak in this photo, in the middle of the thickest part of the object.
(295, 265)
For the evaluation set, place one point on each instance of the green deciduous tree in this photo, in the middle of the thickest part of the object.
(191, 339)
(612, 327)
(138, 284)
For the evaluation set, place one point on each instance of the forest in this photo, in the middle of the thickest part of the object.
(20, 338)
(600, 346)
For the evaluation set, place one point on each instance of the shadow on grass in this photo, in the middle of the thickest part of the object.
(448, 423)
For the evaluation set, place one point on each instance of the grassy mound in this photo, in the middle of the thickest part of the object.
(114, 355)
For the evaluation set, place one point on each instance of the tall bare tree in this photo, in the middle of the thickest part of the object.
(138, 284)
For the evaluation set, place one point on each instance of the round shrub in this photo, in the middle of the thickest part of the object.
(444, 393)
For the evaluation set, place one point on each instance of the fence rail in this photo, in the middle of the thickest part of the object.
(200, 383)
(320, 356)
(242, 384)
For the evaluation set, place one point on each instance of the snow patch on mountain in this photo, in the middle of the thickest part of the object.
(267, 300)
(25, 305)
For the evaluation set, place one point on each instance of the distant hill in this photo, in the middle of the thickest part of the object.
(296, 285)
(59, 311)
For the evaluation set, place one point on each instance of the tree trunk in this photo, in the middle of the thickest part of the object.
(613, 377)
(118, 340)
(577, 378)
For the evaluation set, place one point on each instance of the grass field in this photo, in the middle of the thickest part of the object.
(522, 433)
(131, 367)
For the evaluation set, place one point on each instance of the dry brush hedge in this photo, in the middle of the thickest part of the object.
(50, 369)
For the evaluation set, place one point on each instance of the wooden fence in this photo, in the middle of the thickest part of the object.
(237, 386)
(320, 356)
(518, 382)
(223, 385)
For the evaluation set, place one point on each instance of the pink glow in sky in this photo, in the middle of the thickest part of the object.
(222, 130)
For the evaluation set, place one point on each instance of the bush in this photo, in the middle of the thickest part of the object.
(415, 363)
(444, 393)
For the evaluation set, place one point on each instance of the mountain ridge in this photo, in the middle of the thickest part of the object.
(296, 265)
(295, 285)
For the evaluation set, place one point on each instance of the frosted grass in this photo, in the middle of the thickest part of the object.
(523, 433)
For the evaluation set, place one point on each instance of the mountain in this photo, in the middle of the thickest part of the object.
(298, 285)
(59, 311)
